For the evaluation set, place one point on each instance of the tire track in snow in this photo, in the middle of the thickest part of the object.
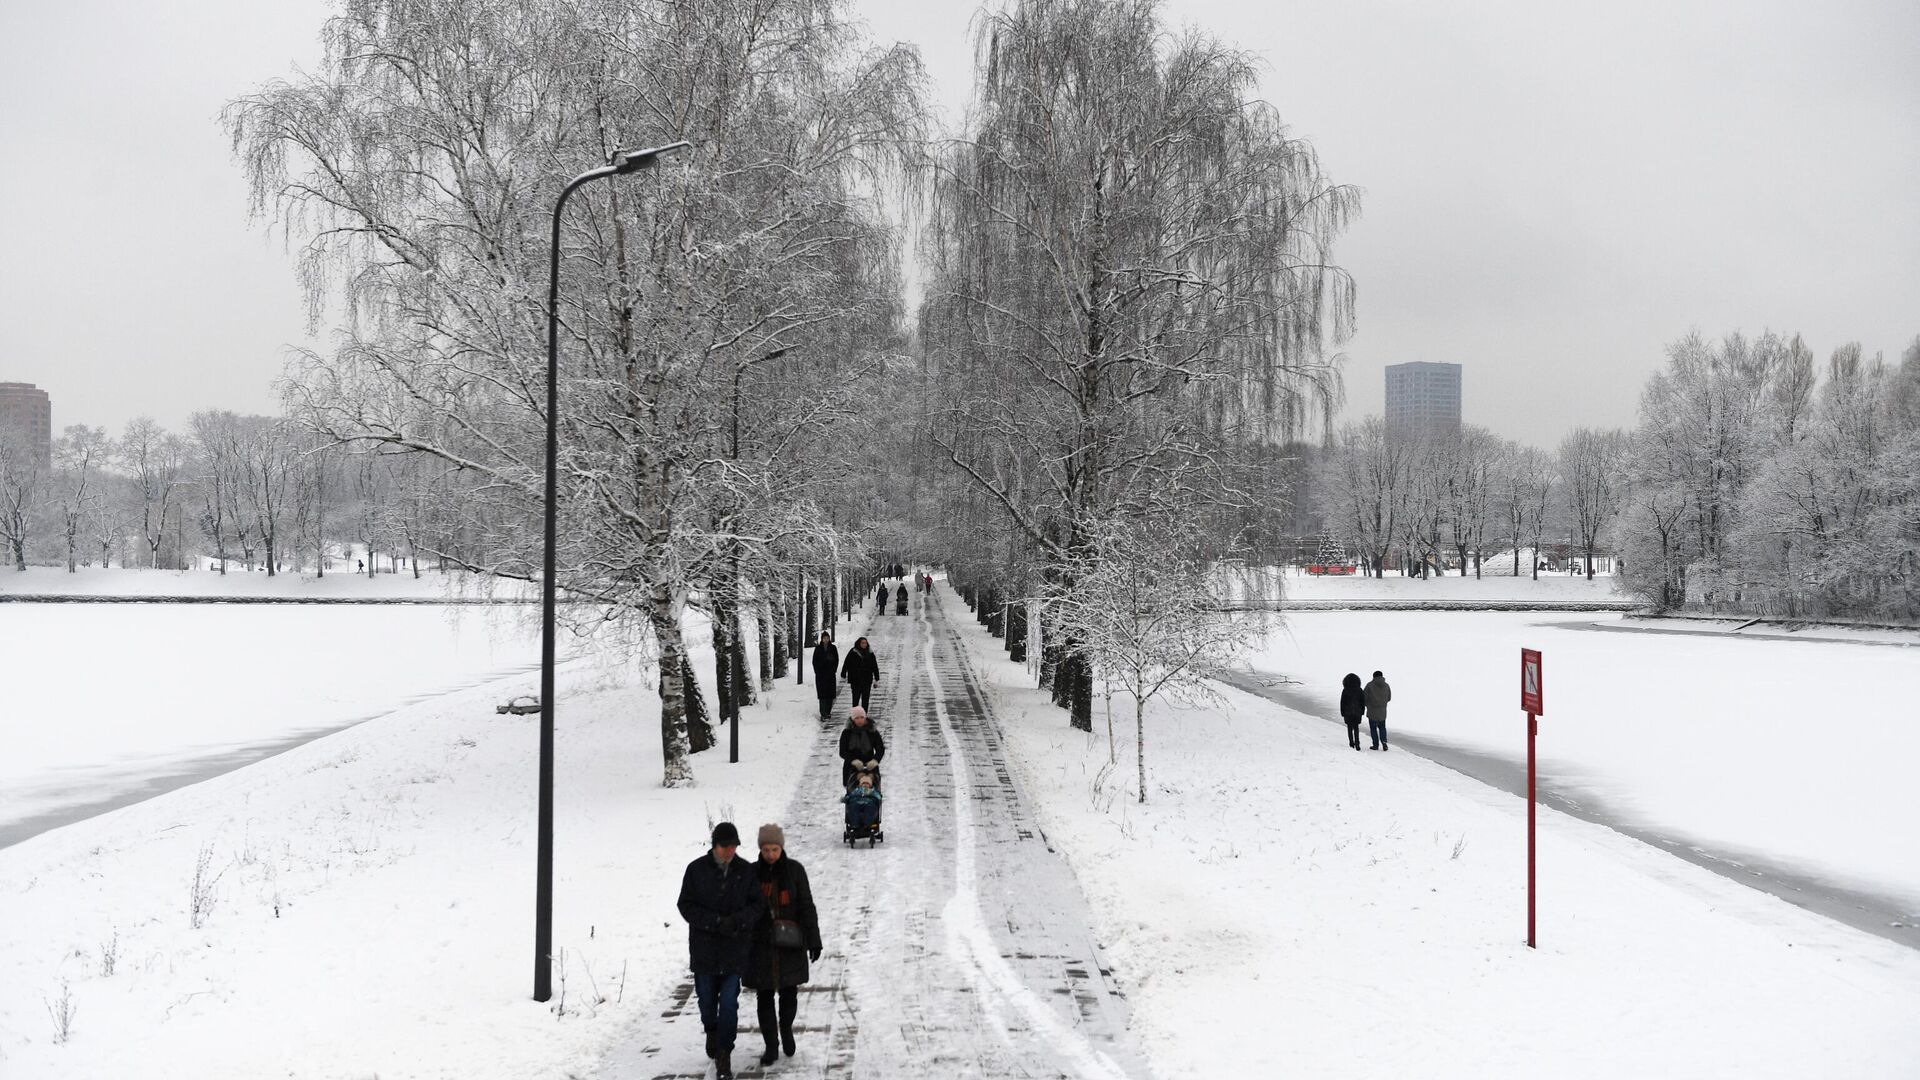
(968, 939)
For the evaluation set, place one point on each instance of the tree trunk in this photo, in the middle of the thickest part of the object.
(700, 735)
(1017, 632)
(724, 680)
(675, 675)
(1140, 741)
(763, 622)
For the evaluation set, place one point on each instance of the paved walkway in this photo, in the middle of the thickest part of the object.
(957, 947)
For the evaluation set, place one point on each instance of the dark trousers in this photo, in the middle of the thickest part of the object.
(827, 691)
(1377, 730)
(719, 1006)
(860, 691)
(1353, 734)
(789, 998)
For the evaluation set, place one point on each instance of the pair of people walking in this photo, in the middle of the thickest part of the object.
(861, 670)
(1369, 701)
(748, 924)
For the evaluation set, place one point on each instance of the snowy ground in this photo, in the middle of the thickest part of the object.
(1550, 588)
(371, 897)
(1285, 906)
(1791, 749)
(105, 699)
(118, 581)
(1281, 906)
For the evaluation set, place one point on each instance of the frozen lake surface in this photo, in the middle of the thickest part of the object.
(106, 703)
(1789, 749)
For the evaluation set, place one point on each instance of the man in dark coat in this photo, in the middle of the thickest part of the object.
(859, 741)
(1378, 694)
(777, 972)
(880, 600)
(1353, 705)
(722, 905)
(826, 663)
(861, 669)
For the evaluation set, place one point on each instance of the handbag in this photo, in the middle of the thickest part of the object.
(788, 935)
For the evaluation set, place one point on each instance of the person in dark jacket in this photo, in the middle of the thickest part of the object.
(722, 906)
(1353, 706)
(900, 599)
(859, 741)
(776, 972)
(826, 683)
(1378, 694)
(861, 669)
(880, 600)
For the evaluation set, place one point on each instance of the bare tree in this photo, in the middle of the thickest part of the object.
(157, 461)
(81, 457)
(1592, 469)
(21, 482)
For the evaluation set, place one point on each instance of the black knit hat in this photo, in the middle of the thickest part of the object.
(725, 835)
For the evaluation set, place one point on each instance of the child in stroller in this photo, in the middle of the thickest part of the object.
(863, 805)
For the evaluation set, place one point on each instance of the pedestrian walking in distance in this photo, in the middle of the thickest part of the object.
(1378, 694)
(1353, 706)
(860, 742)
(861, 669)
(826, 667)
(880, 600)
(783, 944)
(900, 598)
(723, 908)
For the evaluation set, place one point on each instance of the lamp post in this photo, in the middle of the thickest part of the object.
(619, 163)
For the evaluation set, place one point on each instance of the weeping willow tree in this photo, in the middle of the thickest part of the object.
(1131, 283)
(713, 311)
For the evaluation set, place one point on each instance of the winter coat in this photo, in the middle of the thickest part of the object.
(721, 907)
(783, 893)
(1353, 700)
(861, 743)
(826, 659)
(880, 595)
(861, 668)
(900, 594)
(1378, 694)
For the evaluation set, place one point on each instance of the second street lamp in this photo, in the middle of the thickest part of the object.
(619, 163)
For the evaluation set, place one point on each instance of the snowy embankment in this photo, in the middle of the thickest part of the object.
(1302, 590)
(1284, 905)
(1767, 748)
(365, 900)
(92, 582)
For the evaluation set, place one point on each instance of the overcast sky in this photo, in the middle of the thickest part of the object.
(1549, 199)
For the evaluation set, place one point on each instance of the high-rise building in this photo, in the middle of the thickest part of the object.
(1423, 398)
(26, 416)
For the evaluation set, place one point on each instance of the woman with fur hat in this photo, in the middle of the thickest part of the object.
(783, 943)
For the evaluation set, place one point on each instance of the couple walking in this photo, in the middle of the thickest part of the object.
(1370, 701)
(753, 924)
(861, 670)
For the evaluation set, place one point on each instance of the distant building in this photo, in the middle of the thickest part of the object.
(1423, 398)
(26, 415)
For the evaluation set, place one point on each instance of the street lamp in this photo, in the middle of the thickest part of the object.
(619, 163)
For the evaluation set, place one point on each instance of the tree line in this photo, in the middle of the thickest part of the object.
(239, 491)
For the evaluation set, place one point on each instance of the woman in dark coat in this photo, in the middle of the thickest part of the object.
(826, 677)
(900, 599)
(880, 600)
(1353, 705)
(861, 669)
(859, 741)
(775, 973)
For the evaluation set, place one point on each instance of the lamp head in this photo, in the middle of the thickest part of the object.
(629, 161)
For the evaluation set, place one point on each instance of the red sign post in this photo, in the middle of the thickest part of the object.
(1533, 702)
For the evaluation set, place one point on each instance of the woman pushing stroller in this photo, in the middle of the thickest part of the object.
(861, 749)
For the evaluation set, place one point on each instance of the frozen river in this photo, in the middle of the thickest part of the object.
(1793, 752)
(103, 704)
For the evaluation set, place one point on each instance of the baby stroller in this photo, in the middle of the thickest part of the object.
(863, 800)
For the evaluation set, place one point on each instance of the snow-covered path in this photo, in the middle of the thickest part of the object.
(959, 946)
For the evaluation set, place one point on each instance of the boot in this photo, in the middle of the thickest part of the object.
(710, 1047)
(723, 1065)
(786, 1038)
(770, 1055)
